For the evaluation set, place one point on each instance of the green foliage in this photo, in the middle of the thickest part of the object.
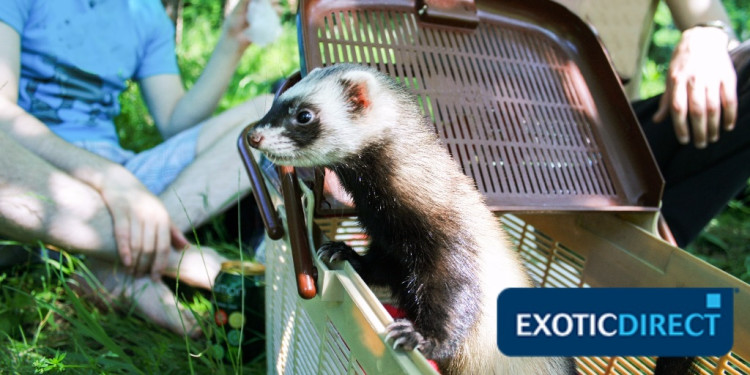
(724, 243)
(135, 127)
(739, 14)
(665, 36)
(54, 324)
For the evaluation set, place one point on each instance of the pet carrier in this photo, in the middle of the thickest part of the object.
(525, 99)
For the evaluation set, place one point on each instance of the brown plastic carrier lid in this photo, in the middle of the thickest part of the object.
(520, 92)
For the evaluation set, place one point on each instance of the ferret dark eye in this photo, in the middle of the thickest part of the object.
(304, 117)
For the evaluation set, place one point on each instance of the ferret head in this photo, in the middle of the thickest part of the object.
(330, 115)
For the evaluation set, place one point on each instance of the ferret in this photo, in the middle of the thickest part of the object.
(434, 242)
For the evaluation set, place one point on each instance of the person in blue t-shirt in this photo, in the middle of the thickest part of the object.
(65, 180)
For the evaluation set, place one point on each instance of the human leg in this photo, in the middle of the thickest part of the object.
(41, 203)
(699, 183)
(197, 267)
(216, 178)
(38, 202)
(198, 172)
(152, 299)
(231, 120)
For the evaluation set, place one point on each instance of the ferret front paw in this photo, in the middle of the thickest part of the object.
(336, 251)
(404, 336)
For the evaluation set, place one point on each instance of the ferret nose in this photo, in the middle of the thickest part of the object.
(254, 139)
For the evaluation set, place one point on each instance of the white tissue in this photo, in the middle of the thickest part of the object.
(265, 25)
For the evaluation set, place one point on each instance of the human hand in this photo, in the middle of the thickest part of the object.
(236, 23)
(179, 241)
(142, 227)
(701, 85)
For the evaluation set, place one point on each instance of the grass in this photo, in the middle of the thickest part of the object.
(47, 327)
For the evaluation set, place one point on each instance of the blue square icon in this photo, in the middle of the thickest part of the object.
(713, 301)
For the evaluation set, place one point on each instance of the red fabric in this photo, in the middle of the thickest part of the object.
(434, 365)
(397, 313)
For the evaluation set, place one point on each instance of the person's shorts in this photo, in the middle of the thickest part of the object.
(157, 167)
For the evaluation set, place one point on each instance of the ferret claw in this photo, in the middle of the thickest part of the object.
(399, 343)
(389, 335)
(336, 257)
(336, 251)
(405, 337)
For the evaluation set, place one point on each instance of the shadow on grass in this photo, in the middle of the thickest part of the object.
(50, 324)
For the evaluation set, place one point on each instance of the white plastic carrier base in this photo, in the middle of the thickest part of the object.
(342, 329)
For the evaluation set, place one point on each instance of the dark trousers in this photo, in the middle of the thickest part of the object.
(699, 183)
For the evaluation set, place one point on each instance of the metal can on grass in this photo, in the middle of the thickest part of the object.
(239, 306)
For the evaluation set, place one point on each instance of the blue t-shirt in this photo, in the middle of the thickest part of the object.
(76, 56)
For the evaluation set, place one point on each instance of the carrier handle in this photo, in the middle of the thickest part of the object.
(270, 217)
(665, 232)
(458, 13)
(304, 270)
(267, 211)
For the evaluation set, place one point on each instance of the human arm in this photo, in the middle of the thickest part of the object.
(141, 224)
(175, 110)
(701, 83)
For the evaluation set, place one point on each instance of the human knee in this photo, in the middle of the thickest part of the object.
(19, 210)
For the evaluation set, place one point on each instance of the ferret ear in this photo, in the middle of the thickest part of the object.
(358, 88)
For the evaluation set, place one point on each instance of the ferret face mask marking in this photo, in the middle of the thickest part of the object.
(312, 123)
(289, 126)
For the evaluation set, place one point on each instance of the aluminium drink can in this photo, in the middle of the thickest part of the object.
(239, 306)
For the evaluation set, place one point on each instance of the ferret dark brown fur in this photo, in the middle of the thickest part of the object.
(433, 240)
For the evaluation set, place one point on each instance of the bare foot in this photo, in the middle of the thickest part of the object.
(156, 302)
(198, 267)
(153, 299)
